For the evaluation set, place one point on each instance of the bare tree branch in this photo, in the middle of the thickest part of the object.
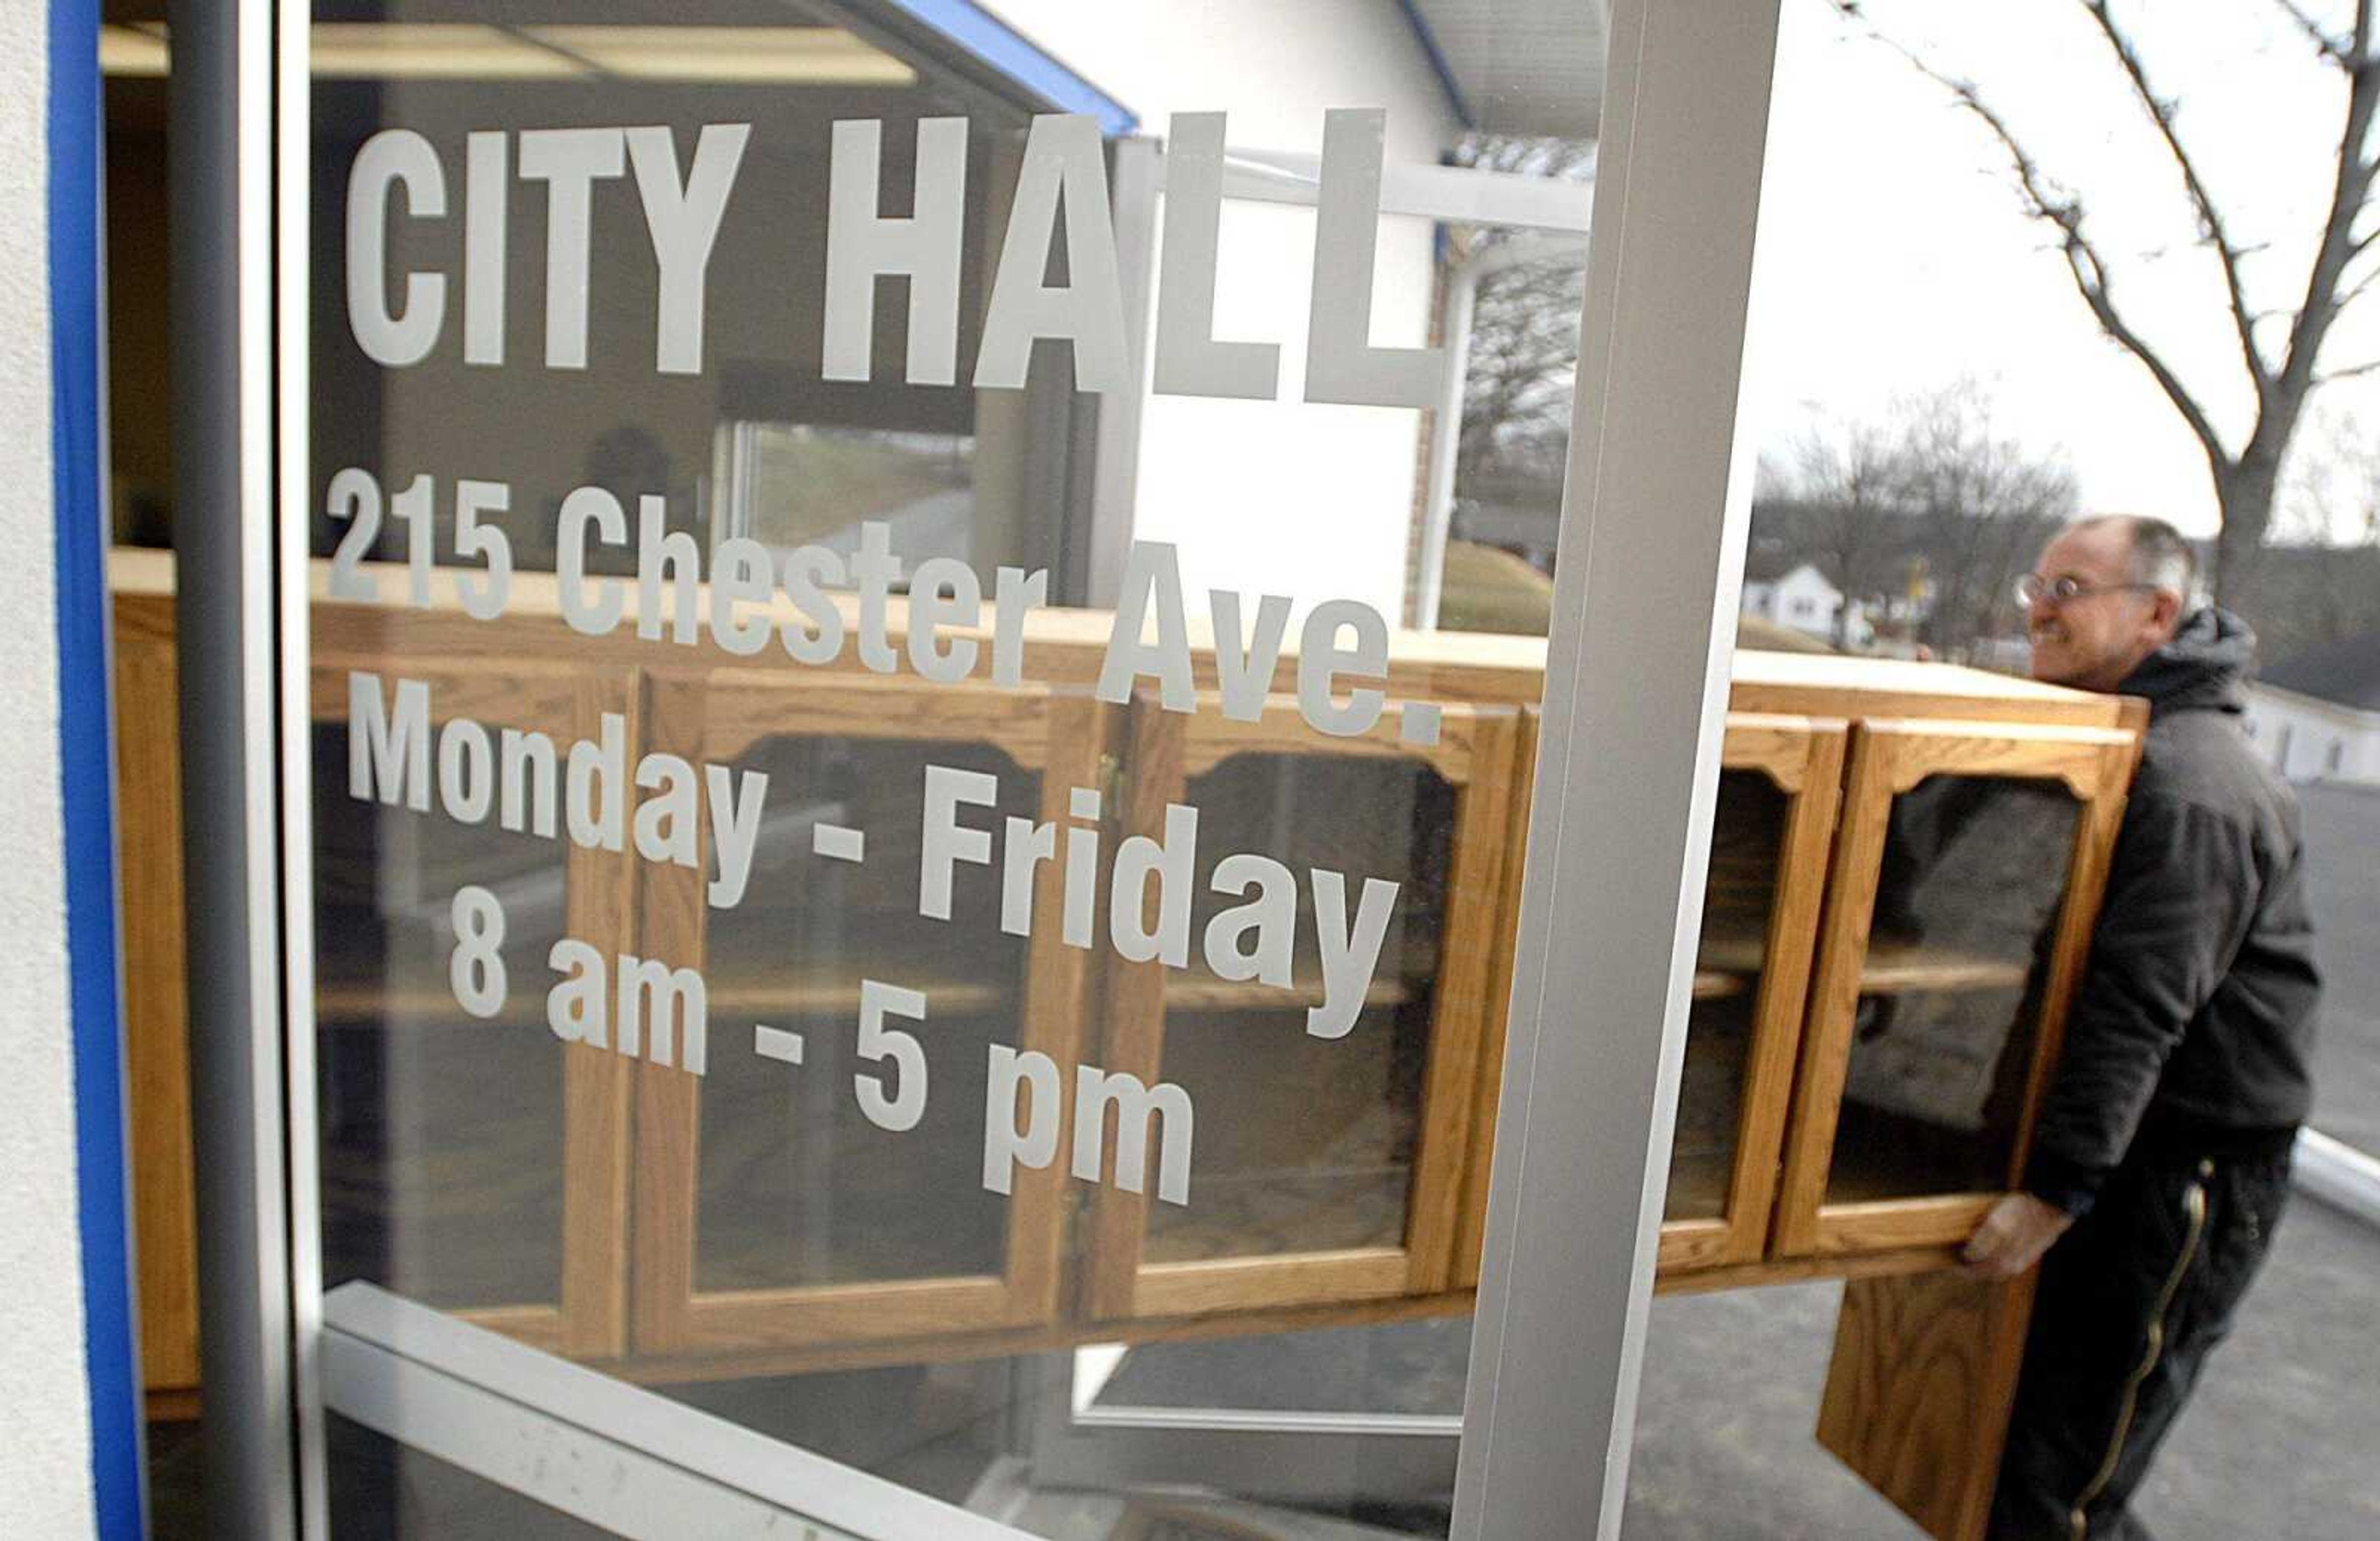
(2210, 219)
(2350, 187)
(2063, 212)
(2355, 291)
(2330, 47)
(2091, 279)
(2281, 368)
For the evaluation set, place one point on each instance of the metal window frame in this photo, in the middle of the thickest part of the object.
(598, 1449)
(1656, 511)
(227, 625)
(1653, 527)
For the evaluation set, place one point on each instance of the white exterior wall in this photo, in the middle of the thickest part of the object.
(1803, 600)
(45, 1473)
(2298, 735)
(1279, 497)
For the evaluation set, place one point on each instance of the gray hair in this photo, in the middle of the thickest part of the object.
(2162, 555)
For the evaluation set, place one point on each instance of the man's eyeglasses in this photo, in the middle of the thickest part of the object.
(2032, 589)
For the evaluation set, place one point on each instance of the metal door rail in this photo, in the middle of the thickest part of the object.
(598, 1449)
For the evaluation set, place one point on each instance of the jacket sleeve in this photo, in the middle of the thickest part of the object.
(2182, 888)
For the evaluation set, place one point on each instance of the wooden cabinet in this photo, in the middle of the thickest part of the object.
(1905, 864)
(1332, 1156)
(1778, 789)
(1773, 827)
(1967, 873)
(771, 1214)
(157, 1048)
(475, 1164)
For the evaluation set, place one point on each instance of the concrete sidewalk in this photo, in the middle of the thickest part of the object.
(2283, 1439)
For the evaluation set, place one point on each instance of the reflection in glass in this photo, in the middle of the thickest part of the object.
(795, 1186)
(389, 1491)
(1973, 870)
(1307, 1144)
(792, 485)
(444, 1169)
(441, 1153)
(1747, 836)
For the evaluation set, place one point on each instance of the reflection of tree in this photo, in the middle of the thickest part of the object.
(1851, 491)
(1517, 404)
(1985, 506)
(2277, 347)
(1931, 503)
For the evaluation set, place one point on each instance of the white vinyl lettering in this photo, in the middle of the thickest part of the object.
(487, 177)
(1006, 1145)
(1341, 365)
(683, 220)
(1152, 577)
(391, 159)
(863, 247)
(569, 162)
(947, 842)
(1190, 362)
(1062, 153)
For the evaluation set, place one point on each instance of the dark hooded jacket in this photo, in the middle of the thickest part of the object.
(2193, 1027)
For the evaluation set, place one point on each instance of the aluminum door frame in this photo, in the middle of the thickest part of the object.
(1654, 520)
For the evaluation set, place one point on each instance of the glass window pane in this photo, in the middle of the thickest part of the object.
(1747, 840)
(1308, 1143)
(443, 1155)
(818, 642)
(797, 1187)
(1974, 868)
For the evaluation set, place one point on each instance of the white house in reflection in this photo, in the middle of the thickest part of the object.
(1801, 598)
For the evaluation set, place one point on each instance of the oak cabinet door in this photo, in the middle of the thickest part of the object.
(1966, 877)
(1333, 1132)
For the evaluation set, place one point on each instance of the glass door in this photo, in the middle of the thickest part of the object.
(897, 870)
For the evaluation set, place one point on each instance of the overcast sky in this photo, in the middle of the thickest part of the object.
(1895, 258)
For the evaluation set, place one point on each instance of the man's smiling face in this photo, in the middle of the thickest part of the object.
(2097, 638)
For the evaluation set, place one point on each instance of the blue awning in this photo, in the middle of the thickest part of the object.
(982, 36)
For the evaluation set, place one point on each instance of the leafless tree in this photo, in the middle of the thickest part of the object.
(2282, 362)
(1984, 504)
(1524, 358)
(1852, 488)
(1933, 498)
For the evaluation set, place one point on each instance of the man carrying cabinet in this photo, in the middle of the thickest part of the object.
(2161, 1159)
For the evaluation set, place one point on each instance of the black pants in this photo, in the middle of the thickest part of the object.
(2131, 1300)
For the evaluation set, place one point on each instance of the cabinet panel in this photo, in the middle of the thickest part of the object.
(156, 1020)
(1349, 1176)
(1773, 822)
(1329, 1162)
(772, 1211)
(475, 1164)
(1965, 880)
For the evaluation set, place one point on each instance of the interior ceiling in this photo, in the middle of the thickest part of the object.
(1524, 67)
(808, 55)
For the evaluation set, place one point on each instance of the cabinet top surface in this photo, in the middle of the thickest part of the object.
(1506, 669)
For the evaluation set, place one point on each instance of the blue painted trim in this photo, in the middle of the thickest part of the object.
(976, 32)
(87, 771)
(1438, 63)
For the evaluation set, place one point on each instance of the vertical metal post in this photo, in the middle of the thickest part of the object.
(1651, 557)
(220, 141)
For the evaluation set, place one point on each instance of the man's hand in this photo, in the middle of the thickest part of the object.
(2014, 1236)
